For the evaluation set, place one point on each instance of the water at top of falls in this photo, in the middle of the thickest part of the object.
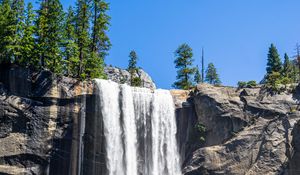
(140, 130)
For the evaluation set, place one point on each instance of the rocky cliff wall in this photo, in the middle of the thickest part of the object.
(45, 118)
(40, 124)
(247, 132)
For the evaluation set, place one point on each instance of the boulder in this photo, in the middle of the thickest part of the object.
(122, 76)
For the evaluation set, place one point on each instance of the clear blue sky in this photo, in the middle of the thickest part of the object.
(236, 34)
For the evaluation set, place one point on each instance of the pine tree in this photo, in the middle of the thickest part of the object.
(82, 27)
(287, 67)
(42, 28)
(132, 68)
(82, 32)
(197, 77)
(274, 63)
(18, 16)
(212, 76)
(100, 43)
(11, 28)
(183, 62)
(295, 73)
(5, 31)
(50, 32)
(132, 61)
(71, 47)
(28, 46)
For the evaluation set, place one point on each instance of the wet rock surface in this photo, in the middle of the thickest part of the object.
(39, 113)
(247, 131)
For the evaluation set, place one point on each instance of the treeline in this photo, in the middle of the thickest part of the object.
(189, 75)
(278, 72)
(73, 43)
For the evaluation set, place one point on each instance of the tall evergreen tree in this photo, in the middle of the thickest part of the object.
(132, 61)
(82, 31)
(132, 68)
(28, 46)
(274, 63)
(50, 33)
(100, 41)
(183, 62)
(42, 28)
(71, 47)
(5, 31)
(18, 16)
(197, 77)
(11, 26)
(287, 67)
(212, 76)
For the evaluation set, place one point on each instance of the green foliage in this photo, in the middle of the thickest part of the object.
(212, 76)
(183, 62)
(242, 84)
(18, 28)
(273, 82)
(251, 84)
(274, 63)
(132, 68)
(100, 41)
(99, 44)
(201, 129)
(197, 77)
(285, 81)
(50, 34)
(287, 67)
(94, 67)
(295, 73)
(82, 34)
(11, 28)
(28, 45)
(71, 47)
(62, 44)
(132, 61)
(136, 81)
(5, 22)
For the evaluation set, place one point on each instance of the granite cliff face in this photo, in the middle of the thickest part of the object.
(122, 76)
(247, 132)
(39, 122)
(42, 124)
(45, 118)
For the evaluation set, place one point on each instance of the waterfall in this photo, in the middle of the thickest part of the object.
(140, 130)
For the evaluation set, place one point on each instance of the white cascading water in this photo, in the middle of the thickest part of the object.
(109, 105)
(129, 130)
(140, 130)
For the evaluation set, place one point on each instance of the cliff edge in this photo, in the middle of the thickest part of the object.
(247, 131)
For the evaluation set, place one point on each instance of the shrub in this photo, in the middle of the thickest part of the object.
(285, 81)
(251, 84)
(201, 129)
(242, 84)
(136, 81)
(273, 82)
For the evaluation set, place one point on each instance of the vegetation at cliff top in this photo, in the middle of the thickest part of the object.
(279, 74)
(73, 43)
(135, 79)
(188, 75)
